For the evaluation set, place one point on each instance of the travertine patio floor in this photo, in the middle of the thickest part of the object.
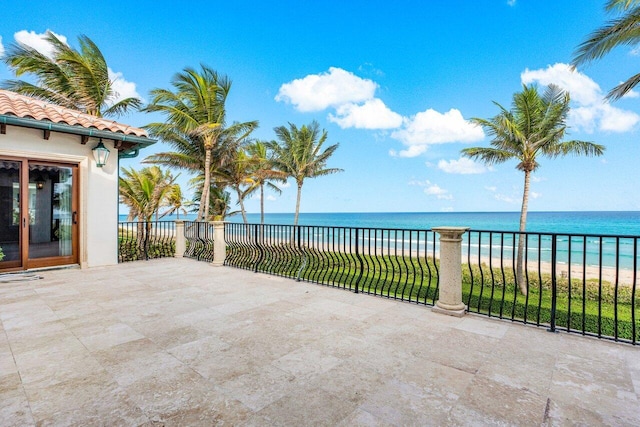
(179, 342)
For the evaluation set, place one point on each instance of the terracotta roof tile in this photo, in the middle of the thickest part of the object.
(27, 107)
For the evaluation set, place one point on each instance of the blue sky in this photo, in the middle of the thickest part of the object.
(394, 83)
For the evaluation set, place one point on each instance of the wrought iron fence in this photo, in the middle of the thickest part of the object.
(396, 264)
(199, 240)
(584, 284)
(576, 283)
(146, 240)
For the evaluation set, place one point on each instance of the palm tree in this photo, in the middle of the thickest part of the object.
(621, 31)
(262, 171)
(220, 201)
(297, 154)
(196, 112)
(174, 201)
(144, 191)
(237, 175)
(533, 128)
(73, 79)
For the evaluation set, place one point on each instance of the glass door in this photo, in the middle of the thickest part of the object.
(10, 217)
(38, 214)
(52, 214)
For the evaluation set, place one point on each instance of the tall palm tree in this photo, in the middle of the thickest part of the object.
(533, 128)
(74, 79)
(623, 30)
(196, 111)
(263, 172)
(297, 154)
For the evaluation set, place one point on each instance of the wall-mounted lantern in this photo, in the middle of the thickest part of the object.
(39, 183)
(101, 154)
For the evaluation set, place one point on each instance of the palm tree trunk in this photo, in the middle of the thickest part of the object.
(262, 204)
(203, 210)
(295, 218)
(241, 203)
(520, 273)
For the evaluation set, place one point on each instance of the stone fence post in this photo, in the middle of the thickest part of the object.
(219, 245)
(450, 288)
(181, 244)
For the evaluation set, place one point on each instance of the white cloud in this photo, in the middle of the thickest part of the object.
(1, 48)
(433, 189)
(373, 114)
(317, 92)
(590, 111)
(447, 209)
(270, 198)
(583, 90)
(353, 99)
(583, 118)
(431, 127)
(38, 41)
(462, 166)
(616, 119)
(440, 193)
(506, 199)
(123, 88)
(412, 151)
(493, 189)
(285, 185)
(511, 2)
(631, 94)
(534, 195)
(368, 68)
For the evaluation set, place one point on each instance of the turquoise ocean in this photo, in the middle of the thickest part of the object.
(598, 251)
(592, 223)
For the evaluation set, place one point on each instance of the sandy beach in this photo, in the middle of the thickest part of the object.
(623, 277)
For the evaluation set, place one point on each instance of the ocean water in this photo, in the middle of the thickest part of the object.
(593, 223)
(596, 251)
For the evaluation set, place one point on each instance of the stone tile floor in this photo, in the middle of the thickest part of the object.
(179, 342)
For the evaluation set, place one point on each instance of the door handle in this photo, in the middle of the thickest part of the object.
(74, 217)
(24, 222)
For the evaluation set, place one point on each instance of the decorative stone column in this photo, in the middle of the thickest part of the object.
(450, 287)
(219, 245)
(181, 244)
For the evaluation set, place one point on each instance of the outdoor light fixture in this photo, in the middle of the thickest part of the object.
(39, 183)
(101, 154)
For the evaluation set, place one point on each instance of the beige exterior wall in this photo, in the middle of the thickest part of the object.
(98, 214)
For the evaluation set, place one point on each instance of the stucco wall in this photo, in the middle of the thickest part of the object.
(98, 211)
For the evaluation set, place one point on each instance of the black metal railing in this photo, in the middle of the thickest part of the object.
(575, 283)
(146, 240)
(584, 284)
(199, 240)
(396, 264)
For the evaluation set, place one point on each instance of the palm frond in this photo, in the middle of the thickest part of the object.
(616, 32)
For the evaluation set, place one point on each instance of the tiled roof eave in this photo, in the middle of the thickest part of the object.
(138, 141)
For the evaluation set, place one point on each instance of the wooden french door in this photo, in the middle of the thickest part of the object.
(38, 214)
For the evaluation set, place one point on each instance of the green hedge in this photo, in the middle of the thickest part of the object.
(131, 250)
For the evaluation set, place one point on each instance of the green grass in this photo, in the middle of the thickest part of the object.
(597, 308)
